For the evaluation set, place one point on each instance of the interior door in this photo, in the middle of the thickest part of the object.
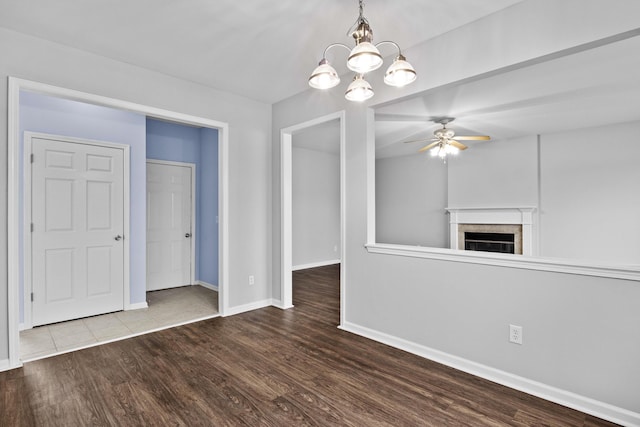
(169, 228)
(77, 214)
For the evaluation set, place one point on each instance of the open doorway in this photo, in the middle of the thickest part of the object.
(315, 190)
(320, 141)
(134, 297)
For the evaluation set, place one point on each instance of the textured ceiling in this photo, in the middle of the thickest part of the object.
(260, 49)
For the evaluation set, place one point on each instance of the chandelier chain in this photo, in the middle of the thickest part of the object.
(361, 19)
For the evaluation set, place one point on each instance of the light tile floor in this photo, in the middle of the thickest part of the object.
(166, 308)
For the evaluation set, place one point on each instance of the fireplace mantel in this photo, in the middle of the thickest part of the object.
(523, 216)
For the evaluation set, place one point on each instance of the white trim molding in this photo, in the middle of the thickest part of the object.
(508, 260)
(315, 264)
(286, 217)
(238, 309)
(137, 306)
(209, 286)
(566, 398)
(278, 304)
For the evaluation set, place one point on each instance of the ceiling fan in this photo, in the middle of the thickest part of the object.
(445, 140)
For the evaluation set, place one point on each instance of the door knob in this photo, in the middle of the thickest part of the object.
(187, 235)
(118, 237)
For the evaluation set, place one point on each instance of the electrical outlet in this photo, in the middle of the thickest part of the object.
(515, 334)
(252, 280)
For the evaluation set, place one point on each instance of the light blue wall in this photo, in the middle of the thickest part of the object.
(40, 113)
(172, 141)
(176, 142)
(208, 219)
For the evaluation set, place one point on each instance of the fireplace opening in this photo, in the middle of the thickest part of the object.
(490, 242)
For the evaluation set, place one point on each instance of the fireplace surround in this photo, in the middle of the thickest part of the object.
(516, 221)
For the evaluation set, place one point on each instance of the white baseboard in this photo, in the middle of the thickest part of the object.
(315, 264)
(248, 307)
(278, 304)
(25, 325)
(138, 306)
(575, 401)
(5, 365)
(207, 285)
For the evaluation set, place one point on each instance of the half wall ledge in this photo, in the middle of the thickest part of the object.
(508, 260)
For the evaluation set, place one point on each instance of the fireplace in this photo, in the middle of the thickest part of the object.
(490, 242)
(502, 230)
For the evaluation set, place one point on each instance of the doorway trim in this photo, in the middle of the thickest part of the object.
(13, 170)
(286, 216)
(193, 231)
(27, 211)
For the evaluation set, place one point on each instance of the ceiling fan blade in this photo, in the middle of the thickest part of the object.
(421, 140)
(457, 144)
(428, 147)
(474, 138)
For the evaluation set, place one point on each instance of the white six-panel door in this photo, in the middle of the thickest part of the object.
(169, 217)
(77, 215)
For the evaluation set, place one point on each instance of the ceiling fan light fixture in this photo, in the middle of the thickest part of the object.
(444, 133)
(400, 73)
(445, 141)
(359, 90)
(444, 149)
(450, 149)
(324, 76)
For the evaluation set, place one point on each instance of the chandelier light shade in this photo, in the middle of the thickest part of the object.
(400, 73)
(364, 57)
(359, 90)
(324, 76)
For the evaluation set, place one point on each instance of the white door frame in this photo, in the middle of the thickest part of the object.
(286, 229)
(13, 171)
(192, 166)
(26, 236)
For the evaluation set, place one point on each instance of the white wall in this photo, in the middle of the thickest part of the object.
(411, 197)
(315, 192)
(461, 311)
(590, 203)
(249, 147)
(495, 174)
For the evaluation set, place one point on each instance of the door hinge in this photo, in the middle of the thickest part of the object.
(31, 296)
(32, 157)
(32, 227)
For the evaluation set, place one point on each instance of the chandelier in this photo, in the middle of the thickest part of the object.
(363, 58)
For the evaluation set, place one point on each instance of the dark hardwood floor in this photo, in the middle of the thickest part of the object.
(267, 367)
